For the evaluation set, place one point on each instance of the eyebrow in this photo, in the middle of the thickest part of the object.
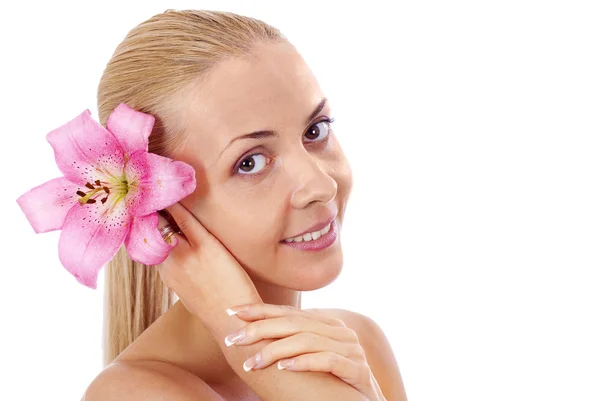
(270, 133)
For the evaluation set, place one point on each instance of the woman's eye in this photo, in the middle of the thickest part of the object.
(319, 131)
(249, 164)
(254, 163)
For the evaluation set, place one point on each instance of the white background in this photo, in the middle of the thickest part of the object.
(473, 233)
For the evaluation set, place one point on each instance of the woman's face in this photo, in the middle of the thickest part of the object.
(254, 192)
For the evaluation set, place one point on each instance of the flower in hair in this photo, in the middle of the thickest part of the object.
(110, 193)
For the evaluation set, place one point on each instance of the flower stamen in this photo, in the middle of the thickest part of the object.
(86, 198)
(122, 187)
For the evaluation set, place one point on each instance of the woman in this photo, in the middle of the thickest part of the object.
(234, 99)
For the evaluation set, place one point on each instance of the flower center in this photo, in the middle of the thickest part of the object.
(119, 187)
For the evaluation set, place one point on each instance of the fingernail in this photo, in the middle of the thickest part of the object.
(233, 311)
(235, 337)
(251, 362)
(285, 364)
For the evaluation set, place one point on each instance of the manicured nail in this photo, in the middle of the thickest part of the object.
(233, 311)
(235, 337)
(251, 362)
(285, 363)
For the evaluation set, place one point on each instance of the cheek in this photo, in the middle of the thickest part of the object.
(251, 233)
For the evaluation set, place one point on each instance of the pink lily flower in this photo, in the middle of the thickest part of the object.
(110, 193)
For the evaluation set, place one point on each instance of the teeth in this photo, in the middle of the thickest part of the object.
(310, 236)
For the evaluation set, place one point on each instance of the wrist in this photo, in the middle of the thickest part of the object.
(212, 308)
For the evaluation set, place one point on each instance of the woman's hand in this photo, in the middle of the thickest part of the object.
(307, 341)
(199, 269)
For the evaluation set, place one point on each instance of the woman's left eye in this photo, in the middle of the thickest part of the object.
(319, 130)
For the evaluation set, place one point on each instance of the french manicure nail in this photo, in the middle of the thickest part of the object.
(235, 337)
(233, 311)
(251, 362)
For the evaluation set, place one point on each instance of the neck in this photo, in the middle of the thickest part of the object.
(276, 295)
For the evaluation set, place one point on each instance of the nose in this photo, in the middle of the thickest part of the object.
(313, 184)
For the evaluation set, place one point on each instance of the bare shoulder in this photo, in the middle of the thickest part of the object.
(361, 324)
(148, 380)
(378, 350)
(354, 320)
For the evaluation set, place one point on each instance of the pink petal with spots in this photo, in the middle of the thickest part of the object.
(47, 205)
(85, 151)
(131, 128)
(156, 182)
(90, 237)
(145, 244)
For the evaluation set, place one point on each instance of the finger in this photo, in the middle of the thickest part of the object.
(166, 218)
(175, 238)
(286, 326)
(191, 228)
(356, 374)
(169, 237)
(303, 343)
(258, 311)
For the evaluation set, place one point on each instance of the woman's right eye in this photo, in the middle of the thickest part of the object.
(249, 164)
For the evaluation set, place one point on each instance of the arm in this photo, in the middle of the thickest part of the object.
(270, 383)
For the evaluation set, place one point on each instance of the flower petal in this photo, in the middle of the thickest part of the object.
(85, 151)
(47, 205)
(144, 242)
(91, 236)
(156, 182)
(131, 128)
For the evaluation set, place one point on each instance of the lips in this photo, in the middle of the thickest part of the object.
(316, 227)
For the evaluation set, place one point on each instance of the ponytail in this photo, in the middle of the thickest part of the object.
(135, 297)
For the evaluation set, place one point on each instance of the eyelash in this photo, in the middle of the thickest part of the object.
(328, 120)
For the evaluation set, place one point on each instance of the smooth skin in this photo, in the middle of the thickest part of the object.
(252, 193)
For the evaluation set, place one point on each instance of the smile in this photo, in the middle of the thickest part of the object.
(310, 236)
(325, 239)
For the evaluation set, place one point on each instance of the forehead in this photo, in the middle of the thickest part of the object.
(273, 88)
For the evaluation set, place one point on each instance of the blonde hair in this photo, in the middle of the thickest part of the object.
(148, 69)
